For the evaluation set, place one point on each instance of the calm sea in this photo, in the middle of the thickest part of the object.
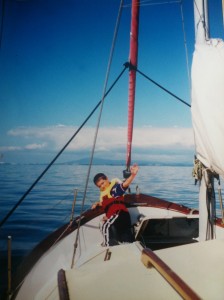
(49, 204)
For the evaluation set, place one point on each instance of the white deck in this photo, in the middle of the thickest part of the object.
(118, 278)
(201, 265)
(124, 276)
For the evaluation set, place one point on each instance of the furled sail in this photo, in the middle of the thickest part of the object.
(208, 103)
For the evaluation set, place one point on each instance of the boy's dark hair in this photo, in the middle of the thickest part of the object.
(99, 176)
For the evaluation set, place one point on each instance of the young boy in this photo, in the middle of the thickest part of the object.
(116, 226)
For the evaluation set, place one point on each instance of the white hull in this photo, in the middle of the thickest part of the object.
(93, 278)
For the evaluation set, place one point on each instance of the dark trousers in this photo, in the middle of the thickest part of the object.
(117, 229)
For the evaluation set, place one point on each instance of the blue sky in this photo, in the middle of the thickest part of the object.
(53, 61)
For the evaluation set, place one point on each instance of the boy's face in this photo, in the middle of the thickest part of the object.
(102, 184)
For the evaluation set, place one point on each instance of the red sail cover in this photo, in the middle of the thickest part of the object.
(132, 74)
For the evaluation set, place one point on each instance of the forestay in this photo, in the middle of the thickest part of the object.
(208, 103)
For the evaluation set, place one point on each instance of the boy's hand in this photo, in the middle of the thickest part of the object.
(134, 169)
(95, 205)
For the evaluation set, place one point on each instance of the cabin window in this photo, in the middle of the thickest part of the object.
(164, 233)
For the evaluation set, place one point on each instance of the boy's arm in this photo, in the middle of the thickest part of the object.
(134, 170)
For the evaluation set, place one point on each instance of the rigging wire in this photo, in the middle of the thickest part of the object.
(159, 85)
(60, 152)
(98, 123)
(2, 22)
(105, 93)
(126, 65)
(185, 43)
(151, 2)
(202, 20)
(43, 214)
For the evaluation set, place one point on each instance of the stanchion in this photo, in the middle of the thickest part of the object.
(9, 267)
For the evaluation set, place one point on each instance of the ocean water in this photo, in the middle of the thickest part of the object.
(49, 204)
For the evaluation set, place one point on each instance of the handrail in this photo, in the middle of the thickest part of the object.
(150, 259)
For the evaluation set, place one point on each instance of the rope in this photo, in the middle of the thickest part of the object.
(157, 84)
(98, 124)
(209, 176)
(210, 201)
(220, 199)
(197, 170)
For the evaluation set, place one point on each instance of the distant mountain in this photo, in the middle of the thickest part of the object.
(110, 162)
(96, 161)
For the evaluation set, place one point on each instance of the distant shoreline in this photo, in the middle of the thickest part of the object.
(146, 164)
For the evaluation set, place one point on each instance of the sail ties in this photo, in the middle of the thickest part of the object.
(199, 172)
(201, 21)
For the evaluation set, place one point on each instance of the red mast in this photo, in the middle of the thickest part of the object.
(133, 58)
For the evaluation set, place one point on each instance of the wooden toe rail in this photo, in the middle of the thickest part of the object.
(150, 259)
(62, 286)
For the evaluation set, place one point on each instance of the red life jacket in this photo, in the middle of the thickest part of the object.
(112, 205)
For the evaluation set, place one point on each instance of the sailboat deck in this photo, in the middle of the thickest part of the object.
(200, 265)
(123, 275)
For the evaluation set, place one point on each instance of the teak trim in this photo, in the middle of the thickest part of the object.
(62, 285)
(150, 259)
